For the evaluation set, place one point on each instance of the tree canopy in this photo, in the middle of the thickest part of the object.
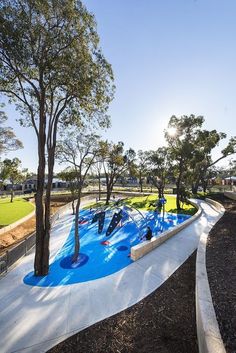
(53, 70)
(8, 140)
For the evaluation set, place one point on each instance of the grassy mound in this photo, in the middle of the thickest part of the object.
(148, 203)
(11, 212)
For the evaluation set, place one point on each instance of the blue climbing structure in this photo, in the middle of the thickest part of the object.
(114, 222)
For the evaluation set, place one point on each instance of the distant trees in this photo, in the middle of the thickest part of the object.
(8, 140)
(141, 166)
(52, 69)
(97, 167)
(115, 162)
(69, 175)
(190, 150)
(159, 169)
(10, 169)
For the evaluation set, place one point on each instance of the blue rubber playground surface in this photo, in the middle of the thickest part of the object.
(101, 255)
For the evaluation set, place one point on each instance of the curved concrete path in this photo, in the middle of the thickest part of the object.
(34, 319)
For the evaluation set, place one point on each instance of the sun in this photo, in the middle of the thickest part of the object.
(172, 131)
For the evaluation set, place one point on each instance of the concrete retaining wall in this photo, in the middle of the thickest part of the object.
(216, 204)
(230, 195)
(209, 337)
(145, 247)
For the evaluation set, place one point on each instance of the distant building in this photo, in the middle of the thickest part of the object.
(229, 181)
(29, 184)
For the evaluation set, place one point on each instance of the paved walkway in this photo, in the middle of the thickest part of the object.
(34, 319)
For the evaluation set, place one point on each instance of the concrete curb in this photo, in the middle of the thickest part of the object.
(209, 337)
(230, 194)
(144, 248)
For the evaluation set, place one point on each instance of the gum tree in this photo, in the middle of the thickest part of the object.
(11, 170)
(159, 169)
(69, 175)
(52, 69)
(79, 151)
(115, 162)
(181, 135)
(190, 148)
(8, 140)
(141, 166)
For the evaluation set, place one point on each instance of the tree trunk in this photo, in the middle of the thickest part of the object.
(73, 206)
(47, 214)
(39, 269)
(109, 192)
(108, 197)
(140, 182)
(195, 186)
(178, 183)
(12, 192)
(77, 242)
(99, 186)
(109, 188)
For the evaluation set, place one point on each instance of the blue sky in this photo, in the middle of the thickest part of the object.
(169, 57)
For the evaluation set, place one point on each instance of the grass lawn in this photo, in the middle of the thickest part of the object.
(11, 212)
(145, 203)
(148, 202)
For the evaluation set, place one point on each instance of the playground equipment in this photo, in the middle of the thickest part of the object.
(122, 213)
(117, 217)
(101, 220)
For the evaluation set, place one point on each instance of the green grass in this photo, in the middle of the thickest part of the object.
(148, 203)
(12, 212)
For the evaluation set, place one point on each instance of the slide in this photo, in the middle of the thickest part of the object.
(101, 220)
(95, 217)
(115, 220)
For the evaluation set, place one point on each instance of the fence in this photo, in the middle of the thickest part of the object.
(21, 249)
(15, 253)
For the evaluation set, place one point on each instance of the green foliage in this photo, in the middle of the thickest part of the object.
(50, 61)
(115, 162)
(8, 141)
(53, 70)
(12, 212)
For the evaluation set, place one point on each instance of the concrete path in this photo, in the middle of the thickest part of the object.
(34, 319)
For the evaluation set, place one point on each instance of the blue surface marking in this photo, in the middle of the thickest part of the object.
(97, 260)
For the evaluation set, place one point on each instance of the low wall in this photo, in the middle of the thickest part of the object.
(216, 204)
(145, 247)
(230, 195)
(209, 337)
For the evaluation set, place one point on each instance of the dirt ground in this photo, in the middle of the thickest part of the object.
(163, 322)
(221, 270)
(15, 235)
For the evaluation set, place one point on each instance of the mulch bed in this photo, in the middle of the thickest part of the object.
(164, 322)
(221, 269)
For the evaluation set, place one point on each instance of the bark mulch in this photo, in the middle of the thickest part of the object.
(163, 322)
(221, 270)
